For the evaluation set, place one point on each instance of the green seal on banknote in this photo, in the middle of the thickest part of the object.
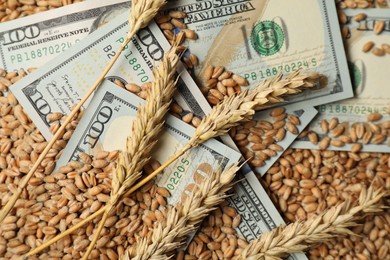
(267, 38)
(356, 75)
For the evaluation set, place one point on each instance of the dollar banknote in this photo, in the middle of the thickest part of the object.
(259, 215)
(62, 82)
(33, 40)
(106, 125)
(369, 72)
(260, 39)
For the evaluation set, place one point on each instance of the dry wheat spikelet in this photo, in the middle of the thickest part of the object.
(164, 238)
(147, 126)
(274, 90)
(141, 13)
(144, 135)
(167, 237)
(300, 236)
(242, 107)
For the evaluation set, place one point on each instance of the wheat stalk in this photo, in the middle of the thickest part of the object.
(300, 236)
(180, 223)
(142, 12)
(146, 126)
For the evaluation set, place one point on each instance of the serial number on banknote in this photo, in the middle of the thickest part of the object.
(131, 59)
(46, 51)
(351, 109)
(286, 68)
(177, 175)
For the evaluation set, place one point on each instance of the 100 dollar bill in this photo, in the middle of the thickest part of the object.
(369, 73)
(260, 39)
(106, 124)
(32, 41)
(61, 83)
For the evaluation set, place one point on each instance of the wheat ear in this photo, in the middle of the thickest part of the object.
(300, 236)
(274, 90)
(146, 128)
(241, 107)
(142, 12)
(147, 125)
(167, 237)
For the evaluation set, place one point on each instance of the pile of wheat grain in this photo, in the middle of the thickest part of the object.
(13, 9)
(302, 183)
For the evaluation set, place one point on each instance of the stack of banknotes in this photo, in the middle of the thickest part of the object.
(254, 39)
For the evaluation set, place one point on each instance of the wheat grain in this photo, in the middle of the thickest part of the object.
(374, 131)
(146, 128)
(173, 27)
(180, 223)
(300, 236)
(372, 241)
